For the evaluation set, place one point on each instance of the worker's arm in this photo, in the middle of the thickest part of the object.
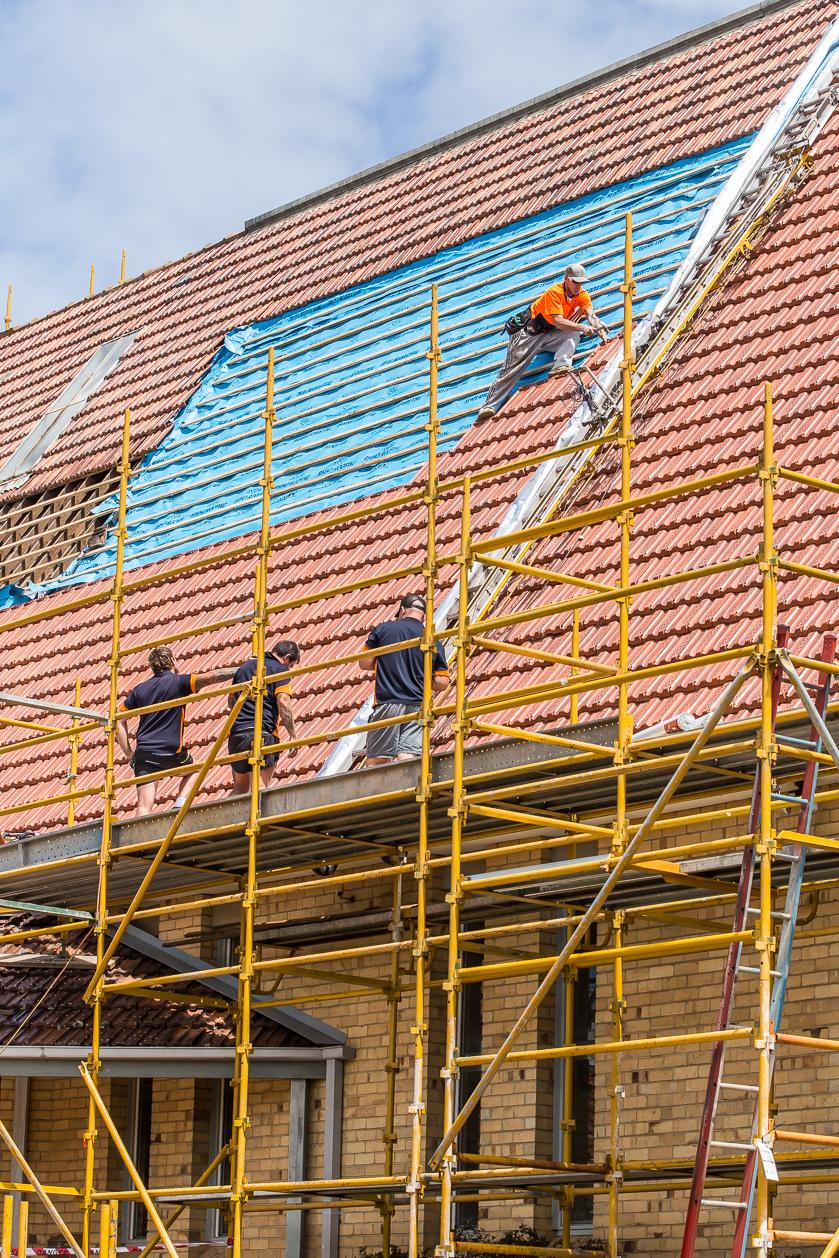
(439, 670)
(216, 678)
(369, 666)
(568, 325)
(596, 323)
(286, 712)
(122, 739)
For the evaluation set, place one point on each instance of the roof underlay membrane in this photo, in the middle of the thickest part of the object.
(352, 377)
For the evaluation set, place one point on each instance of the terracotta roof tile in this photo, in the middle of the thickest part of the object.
(36, 1010)
(704, 411)
(702, 97)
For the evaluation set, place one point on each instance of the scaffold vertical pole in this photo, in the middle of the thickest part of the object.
(622, 751)
(765, 943)
(567, 1067)
(574, 715)
(460, 727)
(101, 929)
(74, 739)
(241, 1121)
(23, 1229)
(417, 1107)
(394, 995)
(618, 1005)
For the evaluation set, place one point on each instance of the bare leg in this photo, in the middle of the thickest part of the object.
(186, 785)
(265, 775)
(145, 799)
(241, 783)
(372, 761)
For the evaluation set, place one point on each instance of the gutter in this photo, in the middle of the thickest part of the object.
(128, 1062)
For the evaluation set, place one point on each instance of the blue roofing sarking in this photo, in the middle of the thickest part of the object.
(352, 376)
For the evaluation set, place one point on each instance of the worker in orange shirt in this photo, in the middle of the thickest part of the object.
(551, 325)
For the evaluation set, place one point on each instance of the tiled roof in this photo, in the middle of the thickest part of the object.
(60, 1016)
(703, 97)
(702, 413)
(775, 320)
(352, 375)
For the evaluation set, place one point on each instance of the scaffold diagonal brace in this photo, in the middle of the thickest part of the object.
(129, 1165)
(44, 1199)
(810, 707)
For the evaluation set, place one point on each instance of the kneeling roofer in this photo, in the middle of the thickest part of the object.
(551, 325)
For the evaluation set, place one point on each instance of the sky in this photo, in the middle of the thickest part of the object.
(158, 126)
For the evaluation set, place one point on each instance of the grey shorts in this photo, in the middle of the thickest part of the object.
(394, 740)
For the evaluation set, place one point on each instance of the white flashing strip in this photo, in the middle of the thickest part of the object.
(550, 481)
(15, 471)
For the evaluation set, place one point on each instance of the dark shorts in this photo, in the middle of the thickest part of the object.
(394, 740)
(244, 743)
(144, 762)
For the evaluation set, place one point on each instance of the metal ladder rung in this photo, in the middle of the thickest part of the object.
(799, 742)
(755, 969)
(784, 917)
(742, 1087)
(800, 801)
(786, 856)
(728, 1144)
(724, 1205)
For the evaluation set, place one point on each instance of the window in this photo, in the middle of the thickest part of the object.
(221, 1120)
(138, 1141)
(581, 1108)
(471, 1043)
(221, 1129)
(582, 1104)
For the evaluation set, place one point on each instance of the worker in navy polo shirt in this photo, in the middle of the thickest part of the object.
(159, 743)
(276, 709)
(399, 681)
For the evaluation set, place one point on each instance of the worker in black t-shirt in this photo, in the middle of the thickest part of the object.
(276, 708)
(399, 682)
(160, 735)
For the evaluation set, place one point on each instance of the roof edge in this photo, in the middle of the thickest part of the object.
(319, 1034)
(659, 52)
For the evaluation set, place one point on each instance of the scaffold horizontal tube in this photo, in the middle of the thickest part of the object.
(607, 956)
(615, 1046)
(278, 963)
(525, 1251)
(808, 1041)
(511, 648)
(583, 519)
(545, 574)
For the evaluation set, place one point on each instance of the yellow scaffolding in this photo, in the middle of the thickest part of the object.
(509, 828)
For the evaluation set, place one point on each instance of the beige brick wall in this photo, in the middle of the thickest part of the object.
(659, 1113)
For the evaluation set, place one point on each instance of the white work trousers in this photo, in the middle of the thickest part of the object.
(521, 351)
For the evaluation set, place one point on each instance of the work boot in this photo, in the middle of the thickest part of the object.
(559, 371)
(486, 412)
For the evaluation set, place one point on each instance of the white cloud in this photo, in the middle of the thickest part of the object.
(160, 125)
